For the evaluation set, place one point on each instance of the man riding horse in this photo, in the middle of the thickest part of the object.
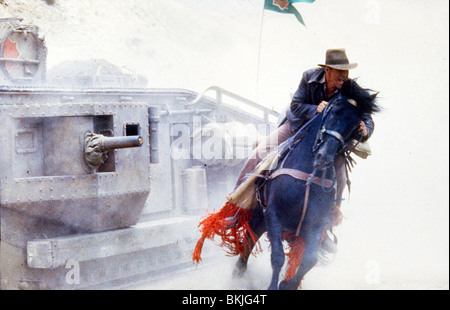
(317, 87)
(237, 223)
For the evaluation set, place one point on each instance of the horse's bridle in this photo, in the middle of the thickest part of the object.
(320, 135)
(324, 131)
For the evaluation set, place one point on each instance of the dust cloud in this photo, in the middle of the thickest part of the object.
(395, 234)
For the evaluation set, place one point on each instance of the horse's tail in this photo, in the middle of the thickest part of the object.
(231, 224)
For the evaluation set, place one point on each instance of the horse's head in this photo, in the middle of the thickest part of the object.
(338, 127)
(340, 122)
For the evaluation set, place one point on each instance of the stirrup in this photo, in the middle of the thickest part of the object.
(329, 245)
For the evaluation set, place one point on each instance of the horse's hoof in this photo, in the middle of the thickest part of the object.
(239, 271)
(237, 274)
(287, 285)
(283, 285)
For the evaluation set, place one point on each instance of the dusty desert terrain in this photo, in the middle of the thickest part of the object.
(396, 229)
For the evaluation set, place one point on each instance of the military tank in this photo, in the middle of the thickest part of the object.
(103, 179)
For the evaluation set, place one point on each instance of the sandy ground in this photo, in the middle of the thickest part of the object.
(396, 231)
(366, 260)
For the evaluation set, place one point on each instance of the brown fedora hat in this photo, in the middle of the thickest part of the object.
(337, 59)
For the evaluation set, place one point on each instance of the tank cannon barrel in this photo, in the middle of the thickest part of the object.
(110, 143)
(96, 147)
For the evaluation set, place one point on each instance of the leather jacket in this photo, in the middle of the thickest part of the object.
(309, 94)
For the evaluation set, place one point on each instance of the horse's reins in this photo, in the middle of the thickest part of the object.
(311, 178)
(297, 174)
(300, 175)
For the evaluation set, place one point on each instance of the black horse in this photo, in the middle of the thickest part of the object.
(311, 151)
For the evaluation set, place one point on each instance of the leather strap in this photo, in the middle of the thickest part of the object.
(300, 175)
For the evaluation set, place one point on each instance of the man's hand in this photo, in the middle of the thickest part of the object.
(362, 130)
(321, 106)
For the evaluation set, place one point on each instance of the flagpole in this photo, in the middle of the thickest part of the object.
(259, 55)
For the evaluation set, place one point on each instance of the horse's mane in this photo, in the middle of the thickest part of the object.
(366, 98)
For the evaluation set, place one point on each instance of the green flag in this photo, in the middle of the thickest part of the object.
(285, 6)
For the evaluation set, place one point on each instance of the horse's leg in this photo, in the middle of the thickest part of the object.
(310, 258)
(312, 230)
(274, 231)
(258, 226)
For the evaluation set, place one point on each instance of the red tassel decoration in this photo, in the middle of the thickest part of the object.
(295, 254)
(230, 224)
